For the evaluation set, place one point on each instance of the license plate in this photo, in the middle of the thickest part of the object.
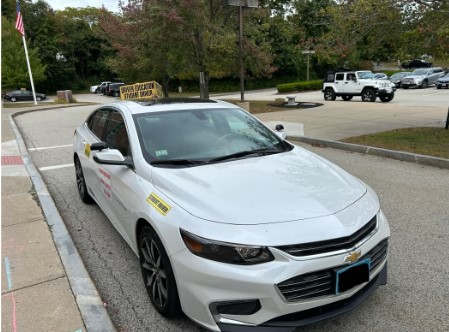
(352, 276)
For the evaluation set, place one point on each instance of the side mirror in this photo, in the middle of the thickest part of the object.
(113, 157)
(279, 130)
(98, 146)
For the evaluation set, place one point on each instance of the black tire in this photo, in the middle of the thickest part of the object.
(405, 87)
(329, 95)
(116, 94)
(368, 95)
(425, 84)
(158, 274)
(38, 98)
(346, 97)
(438, 86)
(387, 97)
(13, 99)
(97, 90)
(81, 183)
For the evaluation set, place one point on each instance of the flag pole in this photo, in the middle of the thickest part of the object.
(29, 69)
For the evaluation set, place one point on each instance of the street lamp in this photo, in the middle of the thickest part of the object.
(308, 52)
(241, 4)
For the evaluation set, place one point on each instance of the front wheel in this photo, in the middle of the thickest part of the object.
(424, 84)
(81, 183)
(387, 97)
(157, 274)
(13, 99)
(116, 94)
(329, 95)
(38, 98)
(369, 95)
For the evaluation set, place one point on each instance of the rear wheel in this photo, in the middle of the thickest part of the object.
(13, 99)
(387, 97)
(158, 274)
(116, 93)
(369, 95)
(346, 97)
(38, 98)
(329, 95)
(81, 183)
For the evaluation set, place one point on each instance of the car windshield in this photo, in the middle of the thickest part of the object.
(419, 72)
(398, 75)
(195, 137)
(365, 75)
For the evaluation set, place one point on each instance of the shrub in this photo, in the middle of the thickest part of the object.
(300, 86)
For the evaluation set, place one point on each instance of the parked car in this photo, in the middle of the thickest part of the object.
(114, 89)
(106, 88)
(417, 63)
(397, 78)
(98, 88)
(443, 82)
(231, 223)
(380, 76)
(347, 84)
(422, 78)
(23, 95)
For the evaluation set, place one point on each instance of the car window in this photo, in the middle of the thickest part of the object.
(201, 134)
(115, 134)
(97, 122)
(339, 77)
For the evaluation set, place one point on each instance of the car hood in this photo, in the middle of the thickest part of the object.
(283, 187)
(443, 79)
(416, 77)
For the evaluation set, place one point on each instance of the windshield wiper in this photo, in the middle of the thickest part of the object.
(185, 162)
(259, 152)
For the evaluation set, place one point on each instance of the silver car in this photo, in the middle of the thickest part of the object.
(422, 78)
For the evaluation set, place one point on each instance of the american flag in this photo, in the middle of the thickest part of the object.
(19, 20)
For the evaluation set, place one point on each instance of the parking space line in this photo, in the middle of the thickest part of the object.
(50, 147)
(49, 168)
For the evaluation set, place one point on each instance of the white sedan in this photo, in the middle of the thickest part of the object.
(232, 224)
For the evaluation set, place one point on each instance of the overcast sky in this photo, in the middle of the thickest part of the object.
(111, 5)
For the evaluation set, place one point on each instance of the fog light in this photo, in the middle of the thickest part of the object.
(245, 307)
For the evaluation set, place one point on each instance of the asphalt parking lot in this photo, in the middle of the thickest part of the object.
(414, 199)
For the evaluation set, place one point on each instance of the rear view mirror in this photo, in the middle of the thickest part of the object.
(98, 146)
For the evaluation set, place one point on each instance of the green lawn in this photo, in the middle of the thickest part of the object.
(427, 141)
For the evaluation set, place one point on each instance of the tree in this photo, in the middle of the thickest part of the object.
(14, 67)
(171, 38)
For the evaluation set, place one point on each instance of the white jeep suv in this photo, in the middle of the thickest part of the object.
(347, 84)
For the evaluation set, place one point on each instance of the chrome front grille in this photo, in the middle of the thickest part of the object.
(320, 247)
(322, 283)
(408, 80)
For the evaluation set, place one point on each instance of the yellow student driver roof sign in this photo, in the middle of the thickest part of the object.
(141, 91)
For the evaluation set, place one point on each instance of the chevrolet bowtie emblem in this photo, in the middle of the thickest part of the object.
(353, 257)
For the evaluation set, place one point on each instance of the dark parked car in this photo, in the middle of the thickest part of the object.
(22, 95)
(105, 90)
(443, 82)
(417, 63)
(114, 89)
(397, 78)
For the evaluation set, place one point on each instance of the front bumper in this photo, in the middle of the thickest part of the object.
(290, 322)
(204, 284)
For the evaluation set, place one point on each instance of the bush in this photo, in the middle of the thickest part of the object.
(300, 86)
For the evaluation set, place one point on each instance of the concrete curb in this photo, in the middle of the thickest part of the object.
(398, 155)
(95, 315)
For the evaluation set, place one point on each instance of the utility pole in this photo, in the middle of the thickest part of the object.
(241, 4)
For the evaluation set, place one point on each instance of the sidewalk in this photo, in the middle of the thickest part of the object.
(44, 284)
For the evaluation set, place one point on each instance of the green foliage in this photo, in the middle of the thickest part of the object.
(300, 86)
(14, 67)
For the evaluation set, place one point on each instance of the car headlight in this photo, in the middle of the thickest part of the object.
(226, 252)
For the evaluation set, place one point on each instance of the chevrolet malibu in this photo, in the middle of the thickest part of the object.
(232, 224)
